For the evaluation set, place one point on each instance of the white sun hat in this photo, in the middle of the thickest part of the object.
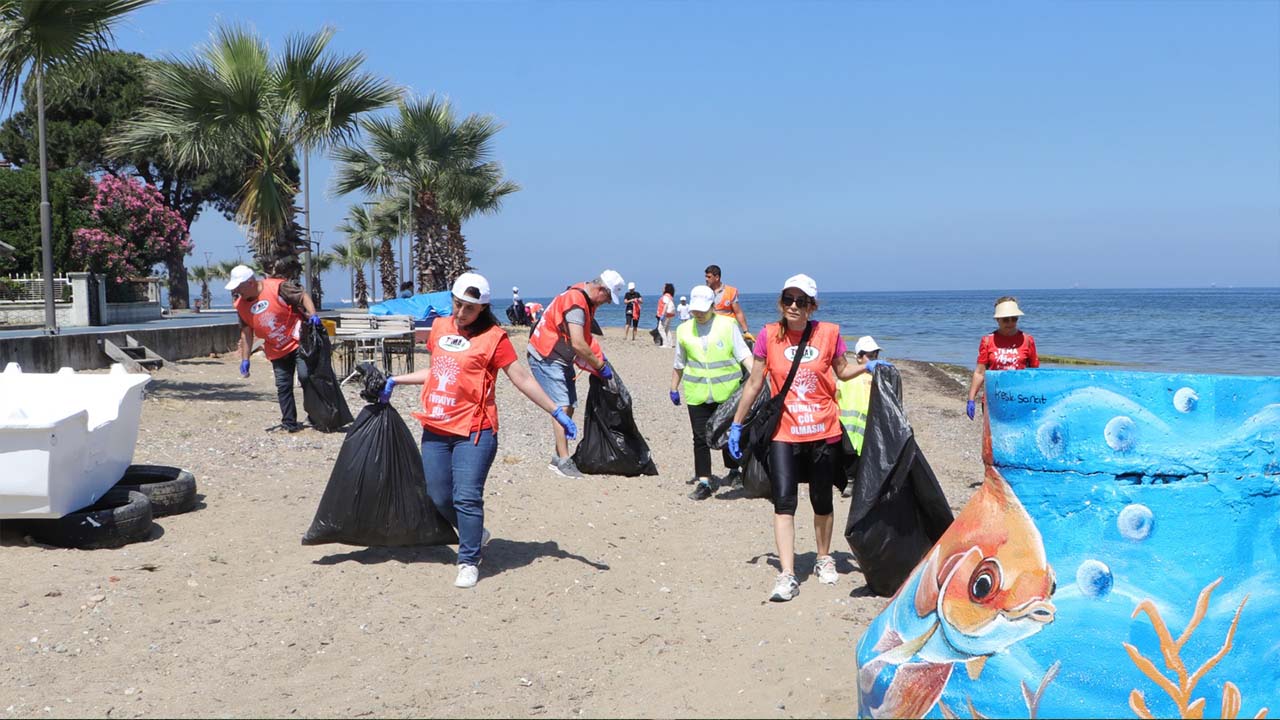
(803, 283)
(471, 280)
(1008, 308)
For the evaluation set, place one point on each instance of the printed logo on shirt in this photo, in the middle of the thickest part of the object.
(810, 353)
(258, 307)
(454, 343)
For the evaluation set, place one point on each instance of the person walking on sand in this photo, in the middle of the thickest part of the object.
(682, 310)
(666, 311)
(1007, 348)
(805, 446)
(631, 311)
(460, 415)
(559, 338)
(273, 309)
(727, 300)
(710, 355)
(854, 398)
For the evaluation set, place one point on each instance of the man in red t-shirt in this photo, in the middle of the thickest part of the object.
(1008, 348)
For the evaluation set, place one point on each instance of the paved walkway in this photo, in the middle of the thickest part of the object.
(183, 320)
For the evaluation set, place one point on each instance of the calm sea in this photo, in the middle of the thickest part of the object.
(1205, 330)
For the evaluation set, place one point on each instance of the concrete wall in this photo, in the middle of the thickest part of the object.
(119, 313)
(84, 351)
(19, 314)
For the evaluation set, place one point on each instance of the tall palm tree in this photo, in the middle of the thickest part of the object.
(203, 274)
(37, 35)
(321, 263)
(478, 192)
(233, 96)
(422, 153)
(353, 255)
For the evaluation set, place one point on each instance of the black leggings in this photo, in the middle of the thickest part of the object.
(813, 462)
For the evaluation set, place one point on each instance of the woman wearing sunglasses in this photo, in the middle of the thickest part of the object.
(1008, 348)
(806, 444)
(460, 416)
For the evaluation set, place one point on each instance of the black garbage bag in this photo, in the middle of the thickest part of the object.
(898, 509)
(611, 443)
(377, 494)
(656, 334)
(512, 317)
(321, 394)
(755, 473)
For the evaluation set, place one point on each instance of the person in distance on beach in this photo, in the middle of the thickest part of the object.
(631, 310)
(710, 355)
(727, 300)
(682, 309)
(273, 309)
(460, 416)
(666, 311)
(559, 338)
(805, 446)
(854, 397)
(1008, 348)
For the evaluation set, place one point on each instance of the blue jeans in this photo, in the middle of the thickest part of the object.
(456, 468)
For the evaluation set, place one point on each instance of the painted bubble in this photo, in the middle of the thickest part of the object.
(1051, 438)
(1185, 400)
(1093, 578)
(1136, 522)
(1121, 433)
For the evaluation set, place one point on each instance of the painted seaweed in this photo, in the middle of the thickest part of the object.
(1171, 649)
(1031, 699)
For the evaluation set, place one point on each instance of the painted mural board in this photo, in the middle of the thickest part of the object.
(1121, 559)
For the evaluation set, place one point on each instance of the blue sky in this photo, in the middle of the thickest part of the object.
(873, 145)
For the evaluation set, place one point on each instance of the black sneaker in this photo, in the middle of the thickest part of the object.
(292, 427)
(701, 491)
(734, 479)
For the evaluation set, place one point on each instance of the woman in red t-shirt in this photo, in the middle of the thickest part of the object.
(459, 415)
(805, 447)
(1008, 348)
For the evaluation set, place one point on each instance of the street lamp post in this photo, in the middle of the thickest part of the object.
(46, 220)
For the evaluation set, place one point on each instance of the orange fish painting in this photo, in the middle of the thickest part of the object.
(985, 586)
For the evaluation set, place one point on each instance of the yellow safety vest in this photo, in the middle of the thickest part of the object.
(710, 375)
(854, 397)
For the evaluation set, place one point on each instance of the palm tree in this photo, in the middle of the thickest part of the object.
(233, 97)
(479, 192)
(203, 274)
(422, 153)
(39, 34)
(352, 255)
(321, 263)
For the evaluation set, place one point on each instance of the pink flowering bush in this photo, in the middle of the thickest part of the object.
(135, 230)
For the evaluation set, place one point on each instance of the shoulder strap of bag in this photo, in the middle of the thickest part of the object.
(795, 362)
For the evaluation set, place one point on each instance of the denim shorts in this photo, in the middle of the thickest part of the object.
(556, 381)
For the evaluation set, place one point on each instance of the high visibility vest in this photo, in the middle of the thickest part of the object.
(854, 397)
(552, 328)
(458, 397)
(724, 306)
(272, 319)
(710, 375)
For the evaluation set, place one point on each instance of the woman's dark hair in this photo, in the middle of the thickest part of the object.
(485, 319)
(669, 289)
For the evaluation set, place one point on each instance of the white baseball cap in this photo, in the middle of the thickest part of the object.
(631, 286)
(515, 289)
(865, 344)
(803, 283)
(471, 280)
(239, 274)
(612, 280)
(683, 298)
(703, 298)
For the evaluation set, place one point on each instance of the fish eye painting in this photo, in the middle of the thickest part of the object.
(1120, 559)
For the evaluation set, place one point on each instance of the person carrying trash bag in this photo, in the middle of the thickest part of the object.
(376, 494)
(803, 358)
(853, 397)
(611, 443)
(321, 393)
(460, 414)
(709, 359)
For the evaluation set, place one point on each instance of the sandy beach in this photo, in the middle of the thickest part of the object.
(604, 596)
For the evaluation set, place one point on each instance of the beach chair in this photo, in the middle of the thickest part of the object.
(397, 345)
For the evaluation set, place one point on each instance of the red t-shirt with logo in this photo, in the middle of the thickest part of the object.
(1012, 352)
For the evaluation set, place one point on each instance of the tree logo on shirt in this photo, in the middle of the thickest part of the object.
(454, 343)
(810, 353)
(445, 371)
(805, 383)
(258, 307)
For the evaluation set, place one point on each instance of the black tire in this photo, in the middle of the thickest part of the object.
(118, 518)
(171, 490)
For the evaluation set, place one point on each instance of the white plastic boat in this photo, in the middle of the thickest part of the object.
(65, 438)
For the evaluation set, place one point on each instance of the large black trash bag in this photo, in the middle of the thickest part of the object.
(321, 394)
(755, 474)
(611, 443)
(377, 494)
(898, 509)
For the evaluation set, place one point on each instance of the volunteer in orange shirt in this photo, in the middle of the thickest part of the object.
(806, 444)
(1008, 348)
(273, 309)
(460, 415)
(727, 300)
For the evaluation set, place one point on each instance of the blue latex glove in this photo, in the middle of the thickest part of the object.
(969, 408)
(566, 422)
(675, 397)
(606, 372)
(735, 437)
(315, 321)
(244, 368)
(384, 397)
(873, 364)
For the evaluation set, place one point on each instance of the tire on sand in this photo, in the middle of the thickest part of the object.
(118, 518)
(171, 490)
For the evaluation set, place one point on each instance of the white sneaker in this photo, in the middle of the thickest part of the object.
(485, 537)
(825, 568)
(468, 575)
(784, 588)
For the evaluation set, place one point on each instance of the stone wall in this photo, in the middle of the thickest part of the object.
(84, 351)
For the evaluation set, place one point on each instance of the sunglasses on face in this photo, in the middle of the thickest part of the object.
(799, 301)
